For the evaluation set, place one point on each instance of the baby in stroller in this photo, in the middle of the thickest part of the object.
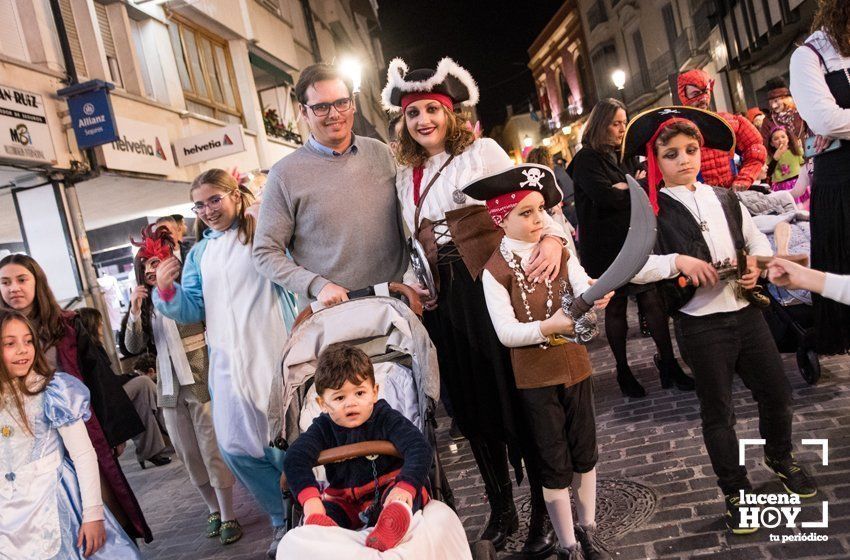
(404, 362)
(383, 492)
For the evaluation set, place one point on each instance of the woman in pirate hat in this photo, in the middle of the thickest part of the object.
(439, 154)
(703, 232)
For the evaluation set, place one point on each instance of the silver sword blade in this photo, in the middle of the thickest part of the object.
(639, 243)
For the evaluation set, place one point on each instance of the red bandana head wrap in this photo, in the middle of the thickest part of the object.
(653, 171)
(501, 206)
(699, 79)
(156, 243)
(444, 99)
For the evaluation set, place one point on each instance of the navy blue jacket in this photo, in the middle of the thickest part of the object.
(384, 423)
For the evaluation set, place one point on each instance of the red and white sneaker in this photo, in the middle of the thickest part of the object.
(391, 527)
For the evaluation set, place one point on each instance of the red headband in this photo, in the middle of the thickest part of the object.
(418, 96)
(653, 171)
(501, 206)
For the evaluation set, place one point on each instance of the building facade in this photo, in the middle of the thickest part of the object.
(741, 43)
(197, 84)
(565, 86)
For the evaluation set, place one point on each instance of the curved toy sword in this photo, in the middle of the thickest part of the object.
(638, 245)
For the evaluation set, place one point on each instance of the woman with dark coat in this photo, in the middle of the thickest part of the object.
(603, 209)
(69, 348)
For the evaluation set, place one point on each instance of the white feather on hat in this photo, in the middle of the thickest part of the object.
(398, 69)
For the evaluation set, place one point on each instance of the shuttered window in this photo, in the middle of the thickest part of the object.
(11, 36)
(108, 44)
(73, 38)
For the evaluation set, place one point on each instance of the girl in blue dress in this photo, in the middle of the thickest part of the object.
(50, 501)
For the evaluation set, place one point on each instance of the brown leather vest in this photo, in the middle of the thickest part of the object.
(534, 366)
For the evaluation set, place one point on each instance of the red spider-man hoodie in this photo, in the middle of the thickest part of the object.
(717, 167)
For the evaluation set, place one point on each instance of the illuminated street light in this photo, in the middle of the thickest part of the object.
(547, 142)
(619, 79)
(566, 130)
(353, 70)
(527, 141)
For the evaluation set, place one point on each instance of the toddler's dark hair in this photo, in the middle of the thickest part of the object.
(339, 363)
(144, 363)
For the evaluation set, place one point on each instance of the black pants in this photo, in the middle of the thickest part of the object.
(716, 347)
(563, 429)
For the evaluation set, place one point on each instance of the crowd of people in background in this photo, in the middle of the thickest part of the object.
(505, 245)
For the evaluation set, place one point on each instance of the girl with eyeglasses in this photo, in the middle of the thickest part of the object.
(181, 387)
(246, 318)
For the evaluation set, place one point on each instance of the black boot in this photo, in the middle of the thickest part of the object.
(671, 373)
(591, 546)
(628, 384)
(493, 466)
(541, 541)
(503, 521)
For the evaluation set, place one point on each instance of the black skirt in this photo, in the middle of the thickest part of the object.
(830, 226)
(474, 366)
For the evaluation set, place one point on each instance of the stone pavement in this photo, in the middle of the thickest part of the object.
(655, 478)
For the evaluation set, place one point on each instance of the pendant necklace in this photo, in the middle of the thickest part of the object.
(703, 225)
(525, 287)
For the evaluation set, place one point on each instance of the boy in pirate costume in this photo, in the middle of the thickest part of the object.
(551, 373)
(718, 331)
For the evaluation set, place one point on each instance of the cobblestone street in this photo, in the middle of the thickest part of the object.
(654, 476)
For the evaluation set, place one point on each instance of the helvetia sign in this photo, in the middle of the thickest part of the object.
(141, 147)
(209, 145)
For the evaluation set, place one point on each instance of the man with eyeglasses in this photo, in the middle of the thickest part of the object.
(332, 203)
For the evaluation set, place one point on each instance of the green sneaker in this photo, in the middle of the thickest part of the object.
(213, 525)
(231, 532)
(794, 478)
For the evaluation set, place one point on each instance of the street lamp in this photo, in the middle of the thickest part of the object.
(566, 130)
(527, 141)
(547, 142)
(353, 70)
(619, 79)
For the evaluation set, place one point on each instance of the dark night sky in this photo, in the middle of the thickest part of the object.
(490, 39)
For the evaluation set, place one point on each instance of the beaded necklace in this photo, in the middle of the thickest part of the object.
(525, 287)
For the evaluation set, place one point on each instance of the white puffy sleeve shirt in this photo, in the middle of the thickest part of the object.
(482, 158)
(815, 102)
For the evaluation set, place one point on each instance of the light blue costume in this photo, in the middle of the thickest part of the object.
(247, 319)
(40, 504)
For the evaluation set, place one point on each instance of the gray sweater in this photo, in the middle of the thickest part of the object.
(337, 215)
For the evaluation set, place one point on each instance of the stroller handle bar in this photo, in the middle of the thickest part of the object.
(350, 451)
(390, 288)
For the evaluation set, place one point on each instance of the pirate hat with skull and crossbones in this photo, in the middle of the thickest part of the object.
(504, 190)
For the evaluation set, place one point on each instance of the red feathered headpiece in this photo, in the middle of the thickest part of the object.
(156, 243)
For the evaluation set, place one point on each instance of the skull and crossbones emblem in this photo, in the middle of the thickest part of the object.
(533, 177)
(669, 112)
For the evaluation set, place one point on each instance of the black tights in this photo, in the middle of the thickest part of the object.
(491, 457)
(657, 320)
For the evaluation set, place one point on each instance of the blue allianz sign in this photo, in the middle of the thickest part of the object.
(91, 113)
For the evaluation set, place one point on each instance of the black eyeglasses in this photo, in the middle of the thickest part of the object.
(323, 109)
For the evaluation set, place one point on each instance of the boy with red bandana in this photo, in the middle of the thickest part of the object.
(694, 87)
